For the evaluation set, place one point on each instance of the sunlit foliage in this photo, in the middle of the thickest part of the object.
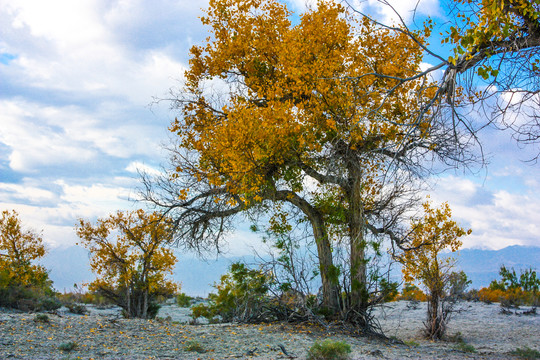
(270, 106)
(22, 282)
(433, 234)
(130, 259)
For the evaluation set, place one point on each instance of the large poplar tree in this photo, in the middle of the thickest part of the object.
(265, 111)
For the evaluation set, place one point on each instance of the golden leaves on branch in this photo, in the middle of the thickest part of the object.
(290, 91)
(18, 249)
(129, 250)
(435, 233)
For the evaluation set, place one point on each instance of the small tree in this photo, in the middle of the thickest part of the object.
(132, 266)
(241, 296)
(20, 278)
(431, 235)
(458, 283)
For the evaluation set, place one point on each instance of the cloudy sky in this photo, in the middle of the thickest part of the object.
(76, 82)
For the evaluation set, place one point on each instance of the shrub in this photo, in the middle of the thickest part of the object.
(182, 300)
(526, 353)
(389, 290)
(458, 283)
(42, 318)
(489, 295)
(412, 293)
(513, 289)
(329, 350)
(68, 346)
(511, 297)
(28, 298)
(461, 345)
(411, 343)
(77, 309)
(194, 346)
(153, 309)
(240, 296)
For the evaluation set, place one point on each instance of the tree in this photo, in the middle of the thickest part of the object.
(282, 118)
(19, 248)
(490, 60)
(432, 235)
(131, 267)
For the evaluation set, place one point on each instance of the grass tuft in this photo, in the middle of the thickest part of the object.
(42, 318)
(526, 353)
(68, 346)
(329, 350)
(194, 346)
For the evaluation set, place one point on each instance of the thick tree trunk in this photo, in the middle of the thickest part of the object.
(359, 296)
(329, 275)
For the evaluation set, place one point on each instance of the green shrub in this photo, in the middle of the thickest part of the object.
(458, 283)
(388, 289)
(68, 346)
(461, 344)
(329, 350)
(42, 318)
(527, 280)
(77, 309)
(465, 347)
(182, 300)
(152, 310)
(241, 295)
(49, 304)
(526, 353)
(411, 343)
(194, 346)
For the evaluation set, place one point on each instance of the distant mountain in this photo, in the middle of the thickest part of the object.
(482, 266)
(71, 265)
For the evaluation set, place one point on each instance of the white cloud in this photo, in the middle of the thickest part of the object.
(33, 140)
(83, 53)
(58, 216)
(136, 166)
(24, 192)
(38, 136)
(498, 218)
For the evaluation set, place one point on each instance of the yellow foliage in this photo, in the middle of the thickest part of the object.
(412, 293)
(515, 296)
(294, 90)
(129, 255)
(431, 235)
(18, 249)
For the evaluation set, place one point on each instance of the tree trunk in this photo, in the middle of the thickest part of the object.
(329, 274)
(359, 296)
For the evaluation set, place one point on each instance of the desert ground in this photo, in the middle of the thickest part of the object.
(477, 331)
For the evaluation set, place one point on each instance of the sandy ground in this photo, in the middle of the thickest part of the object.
(103, 334)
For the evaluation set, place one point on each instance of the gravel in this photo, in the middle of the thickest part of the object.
(103, 334)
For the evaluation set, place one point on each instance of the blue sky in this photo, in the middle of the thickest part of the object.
(76, 82)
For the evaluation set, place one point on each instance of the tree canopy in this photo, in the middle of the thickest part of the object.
(19, 248)
(130, 258)
(277, 114)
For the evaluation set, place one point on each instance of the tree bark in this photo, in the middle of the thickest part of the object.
(359, 296)
(329, 275)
